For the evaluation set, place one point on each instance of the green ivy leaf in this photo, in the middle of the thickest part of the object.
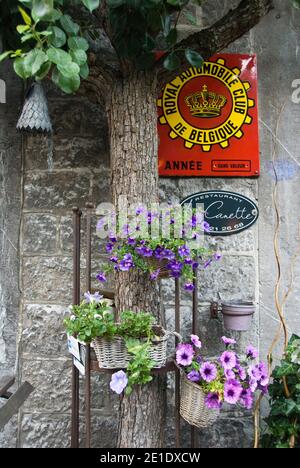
(76, 42)
(21, 28)
(20, 68)
(41, 8)
(84, 71)
(43, 71)
(172, 62)
(33, 61)
(58, 37)
(58, 56)
(91, 4)
(69, 25)
(69, 70)
(5, 55)
(79, 56)
(25, 16)
(69, 86)
(195, 59)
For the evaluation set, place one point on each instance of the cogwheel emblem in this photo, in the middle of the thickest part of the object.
(206, 106)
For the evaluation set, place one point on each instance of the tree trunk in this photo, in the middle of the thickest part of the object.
(133, 145)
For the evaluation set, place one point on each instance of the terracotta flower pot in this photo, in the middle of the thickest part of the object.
(237, 315)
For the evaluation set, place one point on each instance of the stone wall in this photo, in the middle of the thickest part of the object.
(80, 174)
(10, 210)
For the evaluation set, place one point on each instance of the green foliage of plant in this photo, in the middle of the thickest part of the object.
(283, 422)
(46, 40)
(89, 320)
(140, 366)
(95, 319)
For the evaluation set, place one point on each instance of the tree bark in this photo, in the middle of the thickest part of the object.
(132, 116)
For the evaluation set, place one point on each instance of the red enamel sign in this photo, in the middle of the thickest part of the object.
(208, 120)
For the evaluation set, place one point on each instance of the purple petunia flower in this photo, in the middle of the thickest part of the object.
(112, 238)
(217, 256)
(93, 298)
(100, 223)
(253, 385)
(228, 360)
(183, 251)
(194, 376)
(229, 374)
(241, 372)
(159, 252)
(101, 277)
(196, 341)
(228, 341)
(126, 263)
(109, 247)
(232, 391)
(251, 352)
(205, 226)
(131, 241)
(168, 254)
(254, 372)
(212, 400)
(199, 359)
(184, 354)
(188, 261)
(154, 275)
(208, 371)
(195, 265)
(207, 263)
(189, 287)
(246, 398)
(175, 268)
(114, 259)
(139, 210)
(144, 251)
(118, 382)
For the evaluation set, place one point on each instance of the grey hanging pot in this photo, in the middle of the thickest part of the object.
(35, 115)
(237, 315)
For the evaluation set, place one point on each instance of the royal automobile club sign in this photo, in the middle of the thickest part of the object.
(208, 120)
(226, 212)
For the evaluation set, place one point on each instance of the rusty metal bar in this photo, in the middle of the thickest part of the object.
(88, 270)
(177, 372)
(195, 332)
(76, 300)
(88, 396)
(87, 381)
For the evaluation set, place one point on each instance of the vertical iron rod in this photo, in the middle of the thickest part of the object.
(195, 332)
(177, 372)
(88, 349)
(76, 300)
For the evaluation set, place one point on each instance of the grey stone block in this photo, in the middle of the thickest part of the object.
(48, 279)
(54, 431)
(51, 380)
(77, 117)
(43, 331)
(40, 233)
(45, 431)
(68, 153)
(49, 190)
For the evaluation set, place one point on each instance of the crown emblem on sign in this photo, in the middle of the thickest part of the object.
(205, 103)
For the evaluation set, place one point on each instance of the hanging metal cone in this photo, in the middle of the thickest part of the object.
(35, 115)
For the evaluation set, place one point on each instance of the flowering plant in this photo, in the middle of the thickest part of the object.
(229, 378)
(94, 318)
(179, 253)
(91, 318)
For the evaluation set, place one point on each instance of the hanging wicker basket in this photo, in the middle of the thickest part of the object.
(192, 405)
(161, 265)
(112, 353)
